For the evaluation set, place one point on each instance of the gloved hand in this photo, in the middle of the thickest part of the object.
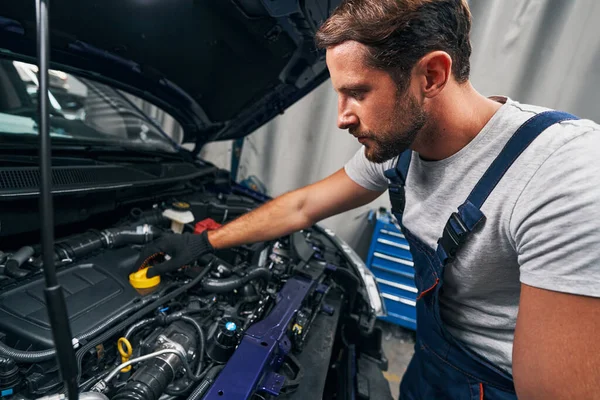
(181, 248)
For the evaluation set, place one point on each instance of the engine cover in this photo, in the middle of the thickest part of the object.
(94, 291)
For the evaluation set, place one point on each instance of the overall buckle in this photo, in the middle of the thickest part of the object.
(455, 234)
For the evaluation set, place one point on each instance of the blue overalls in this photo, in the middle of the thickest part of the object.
(442, 367)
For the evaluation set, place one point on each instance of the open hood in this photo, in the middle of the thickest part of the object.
(221, 68)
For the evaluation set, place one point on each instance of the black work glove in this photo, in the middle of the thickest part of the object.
(181, 248)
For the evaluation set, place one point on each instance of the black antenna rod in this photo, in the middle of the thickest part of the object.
(55, 300)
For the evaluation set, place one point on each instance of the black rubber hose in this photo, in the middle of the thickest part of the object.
(13, 265)
(78, 245)
(86, 243)
(114, 330)
(138, 325)
(201, 343)
(206, 383)
(173, 391)
(228, 284)
(26, 356)
(182, 391)
(220, 212)
(118, 237)
(152, 217)
(238, 209)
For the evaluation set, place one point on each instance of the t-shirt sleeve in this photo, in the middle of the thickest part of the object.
(366, 173)
(556, 221)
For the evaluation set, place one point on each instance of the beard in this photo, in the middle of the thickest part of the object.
(407, 121)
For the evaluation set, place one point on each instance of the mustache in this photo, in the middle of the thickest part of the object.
(357, 134)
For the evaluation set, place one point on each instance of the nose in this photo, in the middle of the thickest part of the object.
(346, 117)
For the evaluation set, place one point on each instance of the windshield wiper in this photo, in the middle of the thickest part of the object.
(104, 152)
(94, 150)
(27, 160)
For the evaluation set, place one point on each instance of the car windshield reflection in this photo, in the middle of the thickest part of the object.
(82, 109)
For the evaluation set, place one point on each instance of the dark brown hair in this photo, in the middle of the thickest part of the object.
(398, 33)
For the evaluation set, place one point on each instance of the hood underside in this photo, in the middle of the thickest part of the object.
(221, 68)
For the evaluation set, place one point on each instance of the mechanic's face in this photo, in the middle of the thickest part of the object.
(370, 106)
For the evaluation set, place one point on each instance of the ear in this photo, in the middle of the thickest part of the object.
(433, 72)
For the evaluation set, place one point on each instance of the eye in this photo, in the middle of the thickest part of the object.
(357, 94)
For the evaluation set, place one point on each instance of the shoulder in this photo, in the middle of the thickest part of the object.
(568, 144)
(561, 184)
(562, 155)
(573, 136)
(366, 173)
(572, 157)
(566, 129)
(561, 163)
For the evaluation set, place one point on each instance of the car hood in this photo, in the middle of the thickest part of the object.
(221, 68)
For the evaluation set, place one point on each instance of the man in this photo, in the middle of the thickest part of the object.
(518, 261)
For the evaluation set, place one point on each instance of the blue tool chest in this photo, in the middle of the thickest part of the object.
(392, 264)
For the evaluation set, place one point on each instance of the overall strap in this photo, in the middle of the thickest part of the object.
(397, 177)
(469, 214)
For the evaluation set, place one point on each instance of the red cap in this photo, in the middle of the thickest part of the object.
(207, 224)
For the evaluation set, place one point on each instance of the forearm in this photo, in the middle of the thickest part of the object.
(274, 219)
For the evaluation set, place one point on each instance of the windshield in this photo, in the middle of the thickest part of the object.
(81, 109)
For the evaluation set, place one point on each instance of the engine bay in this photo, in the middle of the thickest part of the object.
(285, 319)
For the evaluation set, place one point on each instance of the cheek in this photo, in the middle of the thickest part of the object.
(379, 113)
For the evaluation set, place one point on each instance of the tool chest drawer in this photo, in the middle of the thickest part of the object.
(390, 261)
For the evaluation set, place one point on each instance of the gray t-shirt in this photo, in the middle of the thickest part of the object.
(542, 223)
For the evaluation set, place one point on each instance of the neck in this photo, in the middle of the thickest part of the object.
(456, 117)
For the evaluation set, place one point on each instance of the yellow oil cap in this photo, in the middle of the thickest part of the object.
(139, 280)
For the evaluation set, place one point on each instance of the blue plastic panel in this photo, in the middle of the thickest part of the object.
(401, 312)
(384, 275)
(397, 289)
(391, 262)
(391, 248)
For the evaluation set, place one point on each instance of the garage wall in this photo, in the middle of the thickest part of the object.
(545, 52)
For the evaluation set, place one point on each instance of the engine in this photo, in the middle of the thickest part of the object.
(268, 320)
